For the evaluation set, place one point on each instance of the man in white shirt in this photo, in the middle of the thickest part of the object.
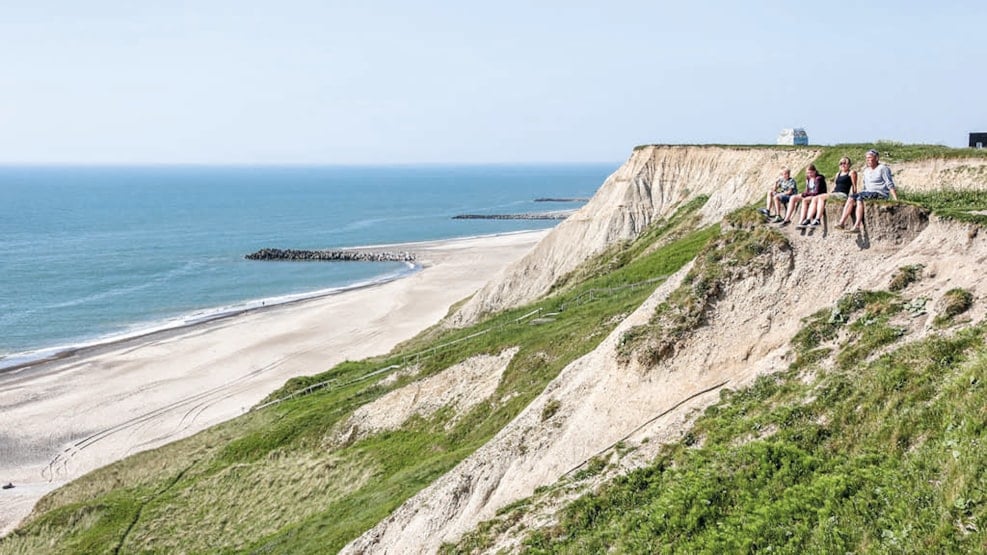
(878, 184)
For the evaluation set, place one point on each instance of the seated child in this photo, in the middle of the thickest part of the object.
(815, 184)
(783, 189)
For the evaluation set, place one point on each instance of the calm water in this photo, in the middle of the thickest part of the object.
(96, 253)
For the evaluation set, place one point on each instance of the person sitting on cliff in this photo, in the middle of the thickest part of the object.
(815, 184)
(845, 185)
(878, 184)
(779, 194)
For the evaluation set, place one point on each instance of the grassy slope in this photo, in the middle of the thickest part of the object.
(274, 480)
(841, 453)
(845, 452)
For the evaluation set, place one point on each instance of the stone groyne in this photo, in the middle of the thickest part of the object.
(331, 255)
(559, 215)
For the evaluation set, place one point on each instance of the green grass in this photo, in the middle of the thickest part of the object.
(621, 254)
(954, 205)
(892, 151)
(276, 480)
(886, 456)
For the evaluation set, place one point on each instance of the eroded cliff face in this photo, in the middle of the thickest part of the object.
(604, 397)
(937, 174)
(653, 182)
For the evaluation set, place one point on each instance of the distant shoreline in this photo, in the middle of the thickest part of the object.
(21, 361)
(54, 354)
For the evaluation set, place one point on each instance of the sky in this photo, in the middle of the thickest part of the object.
(389, 82)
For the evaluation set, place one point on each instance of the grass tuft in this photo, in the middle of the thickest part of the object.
(955, 302)
(905, 276)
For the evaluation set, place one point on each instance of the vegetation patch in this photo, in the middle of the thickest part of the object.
(955, 302)
(958, 205)
(659, 235)
(905, 276)
(550, 408)
(735, 254)
(824, 325)
(747, 218)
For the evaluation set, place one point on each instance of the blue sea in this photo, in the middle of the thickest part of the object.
(94, 254)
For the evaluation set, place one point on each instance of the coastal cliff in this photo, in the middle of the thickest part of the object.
(639, 403)
(650, 185)
(835, 377)
(608, 402)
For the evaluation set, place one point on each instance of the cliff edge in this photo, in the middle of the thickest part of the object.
(653, 182)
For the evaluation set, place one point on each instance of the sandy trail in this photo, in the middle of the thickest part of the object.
(64, 418)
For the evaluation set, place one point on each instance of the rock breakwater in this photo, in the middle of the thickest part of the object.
(332, 255)
(557, 215)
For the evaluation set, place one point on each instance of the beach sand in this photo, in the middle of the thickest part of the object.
(63, 418)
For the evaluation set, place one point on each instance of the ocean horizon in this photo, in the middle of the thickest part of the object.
(94, 254)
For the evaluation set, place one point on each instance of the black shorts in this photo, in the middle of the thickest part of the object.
(869, 195)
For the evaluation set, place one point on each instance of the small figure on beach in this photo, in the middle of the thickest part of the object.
(878, 184)
(783, 189)
(845, 184)
(815, 184)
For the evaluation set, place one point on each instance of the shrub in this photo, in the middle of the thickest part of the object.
(551, 407)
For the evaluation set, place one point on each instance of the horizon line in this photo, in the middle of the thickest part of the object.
(291, 164)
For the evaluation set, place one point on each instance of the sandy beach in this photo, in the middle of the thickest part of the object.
(61, 419)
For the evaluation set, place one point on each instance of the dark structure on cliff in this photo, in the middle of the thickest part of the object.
(978, 140)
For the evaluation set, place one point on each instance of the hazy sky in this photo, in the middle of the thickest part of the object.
(291, 81)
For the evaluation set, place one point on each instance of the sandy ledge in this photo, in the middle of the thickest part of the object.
(63, 418)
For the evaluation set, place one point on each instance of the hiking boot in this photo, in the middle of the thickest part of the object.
(777, 220)
(764, 212)
(815, 223)
(784, 223)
